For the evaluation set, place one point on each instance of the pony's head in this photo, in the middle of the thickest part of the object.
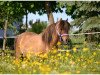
(62, 27)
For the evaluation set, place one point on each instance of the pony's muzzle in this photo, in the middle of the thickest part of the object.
(65, 40)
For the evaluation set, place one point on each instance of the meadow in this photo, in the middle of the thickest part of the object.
(80, 59)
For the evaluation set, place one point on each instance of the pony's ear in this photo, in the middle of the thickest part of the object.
(60, 19)
(58, 23)
(67, 20)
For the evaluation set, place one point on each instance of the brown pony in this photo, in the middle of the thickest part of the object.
(42, 43)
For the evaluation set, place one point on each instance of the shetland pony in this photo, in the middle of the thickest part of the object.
(29, 42)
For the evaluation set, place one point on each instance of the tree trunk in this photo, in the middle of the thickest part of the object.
(26, 20)
(49, 13)
(4, 36)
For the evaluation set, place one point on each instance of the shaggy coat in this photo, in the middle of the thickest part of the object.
(29, 42)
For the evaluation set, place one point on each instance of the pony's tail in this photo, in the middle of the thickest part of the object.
(16, 47)
(15, 42)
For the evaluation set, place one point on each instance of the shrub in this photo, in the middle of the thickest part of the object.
(38, 27)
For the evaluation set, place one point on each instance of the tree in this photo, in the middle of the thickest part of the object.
(86, 14)
(6, 10)
(8, 15)
(47, 7)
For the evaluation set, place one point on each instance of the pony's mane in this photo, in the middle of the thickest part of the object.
(48, 32)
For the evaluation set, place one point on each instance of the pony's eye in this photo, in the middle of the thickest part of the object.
(61, 29)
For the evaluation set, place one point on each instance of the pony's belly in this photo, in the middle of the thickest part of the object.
(34, 46)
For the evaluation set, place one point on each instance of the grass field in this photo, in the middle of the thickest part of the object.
(82, 58)
(75, 61)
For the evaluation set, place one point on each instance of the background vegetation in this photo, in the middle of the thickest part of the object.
(80, 56)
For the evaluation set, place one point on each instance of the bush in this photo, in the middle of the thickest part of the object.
(38, 27)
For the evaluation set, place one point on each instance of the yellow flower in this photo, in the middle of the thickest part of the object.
(77, 71)
(78, 59)
(44, 55)
(85, 49)
(67, 72)
(94, 53)
(34, 71)
(59, 43)
(90, 61)
(54, 51)
(16, 62)
(59, 54)
(67, 54)
(97, 62)
(74, 49)
(36, 63)
(67, 50)
(45, 68)
(28, 55)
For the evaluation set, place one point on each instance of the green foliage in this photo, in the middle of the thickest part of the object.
(92, 22)
(78, 9)
(38, 27)
(86, 15)
(16, 9)
(10, 11)
(82, 10)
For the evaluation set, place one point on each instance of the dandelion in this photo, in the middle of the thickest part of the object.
(85, 49)
(34, 71)
(59, 54)
(78, 59)
(36, 63)
(67, 54)
(67, 72)
(67, 51)
(45, 68)
(54, 51)
(28, 55)
(16, 62)
(78, 72)
(59, 43)
(44, 55)
(90, 61)
(97, 62)
(94, 53)
(74, 49)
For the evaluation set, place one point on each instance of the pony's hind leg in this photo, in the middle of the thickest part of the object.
(17, 55)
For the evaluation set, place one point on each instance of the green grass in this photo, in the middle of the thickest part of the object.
(81, 58)
(77, 60)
